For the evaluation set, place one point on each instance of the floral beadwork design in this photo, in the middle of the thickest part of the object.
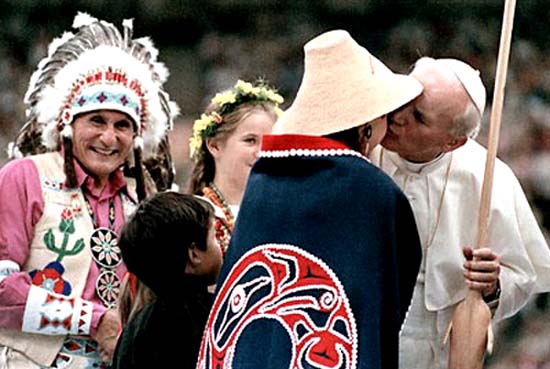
(104, 246)
(50, 278)
(107, 254)
(108, 287)
(66, 226)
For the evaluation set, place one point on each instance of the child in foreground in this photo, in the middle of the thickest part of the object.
(170, 245)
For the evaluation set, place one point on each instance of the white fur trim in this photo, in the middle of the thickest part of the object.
(50, 101)
(138, 143)
(8, 267)
(161, 71)
(13, 153)
(50, 136)
(174, 112)
(55, 314)
(128, 23)
(67, 131)
(83, 19)
(54, 45)
(148, 44)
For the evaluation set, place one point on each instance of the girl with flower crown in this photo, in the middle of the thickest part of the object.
(224, 146)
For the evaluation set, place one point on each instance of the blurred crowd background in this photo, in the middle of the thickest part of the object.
(208, 44)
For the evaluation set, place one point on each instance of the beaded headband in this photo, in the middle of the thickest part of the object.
(97, 68)
(227, 102)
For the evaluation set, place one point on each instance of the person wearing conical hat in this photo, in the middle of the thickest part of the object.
(322, 260)
(96, 111)
(431, 153)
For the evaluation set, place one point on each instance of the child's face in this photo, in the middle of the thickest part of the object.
(236, 154)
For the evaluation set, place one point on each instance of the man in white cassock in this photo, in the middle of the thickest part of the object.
(430, 153)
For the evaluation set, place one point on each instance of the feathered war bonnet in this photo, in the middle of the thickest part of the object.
(98, 68)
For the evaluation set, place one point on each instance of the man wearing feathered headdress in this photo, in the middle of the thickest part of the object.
(97, 112)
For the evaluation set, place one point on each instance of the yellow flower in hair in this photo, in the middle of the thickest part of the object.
(202, 123)
(226, 102)
(195, 144)
(244, 87)
(228, 97)
(273, 96)
(216, 117)
(278, 112)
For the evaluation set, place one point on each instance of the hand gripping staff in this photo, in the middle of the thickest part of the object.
(470, 329)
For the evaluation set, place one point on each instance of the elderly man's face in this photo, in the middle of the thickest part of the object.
(102, 140)
(420, 130)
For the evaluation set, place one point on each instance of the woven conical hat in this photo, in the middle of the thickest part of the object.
(343, 86)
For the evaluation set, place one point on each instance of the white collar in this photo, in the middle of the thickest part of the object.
(418, 168)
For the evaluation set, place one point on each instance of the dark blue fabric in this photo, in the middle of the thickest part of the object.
(164, 334)
(350, 215)
(167, 332)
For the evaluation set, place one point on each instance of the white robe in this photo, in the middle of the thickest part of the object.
(445, 227)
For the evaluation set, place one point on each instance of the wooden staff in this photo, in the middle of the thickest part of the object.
(471, 334)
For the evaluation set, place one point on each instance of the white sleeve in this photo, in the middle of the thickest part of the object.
(54, 314)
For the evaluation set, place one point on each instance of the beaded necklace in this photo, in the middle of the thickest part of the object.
(107, 255)
(224, 228)
(213, 194)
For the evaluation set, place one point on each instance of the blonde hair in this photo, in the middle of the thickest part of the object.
(205, 168)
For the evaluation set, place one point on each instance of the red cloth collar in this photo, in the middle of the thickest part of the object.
(288, 142)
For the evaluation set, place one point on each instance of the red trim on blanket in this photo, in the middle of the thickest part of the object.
(287, 142)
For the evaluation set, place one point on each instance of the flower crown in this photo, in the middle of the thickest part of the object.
(227, 102)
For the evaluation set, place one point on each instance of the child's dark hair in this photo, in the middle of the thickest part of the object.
(155, 240)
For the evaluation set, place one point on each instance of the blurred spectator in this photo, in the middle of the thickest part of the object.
(212, 43)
